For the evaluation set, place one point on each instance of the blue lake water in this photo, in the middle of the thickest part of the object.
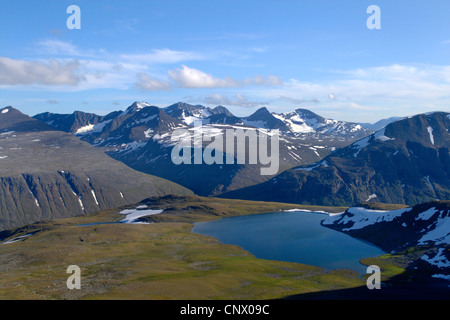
(291, 236)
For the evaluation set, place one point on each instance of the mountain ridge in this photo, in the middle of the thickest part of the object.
(140, 137)
(407, 162)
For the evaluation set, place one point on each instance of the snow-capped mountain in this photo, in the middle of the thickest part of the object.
(295, 123)
(301, 122)
(426, 227)
(188, 114)
(407, 162)
(141, 135)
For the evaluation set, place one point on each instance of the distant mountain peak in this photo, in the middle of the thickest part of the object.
(262, 110)
(305, 113)
(222, 110)
(6, 109)
(12, 119)
(137, 106)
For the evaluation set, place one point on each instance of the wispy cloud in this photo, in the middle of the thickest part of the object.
(228, 36)
(147, 83)
(186, 77)
(160, 56)
(53, 72)
(57, 47)
(259, 80)
(394, 89)
(298, 100)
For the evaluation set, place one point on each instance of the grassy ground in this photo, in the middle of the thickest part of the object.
(154, 261)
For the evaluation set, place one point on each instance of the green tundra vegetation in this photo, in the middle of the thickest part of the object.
(162, 260)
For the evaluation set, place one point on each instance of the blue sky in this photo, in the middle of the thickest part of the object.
(244, 54)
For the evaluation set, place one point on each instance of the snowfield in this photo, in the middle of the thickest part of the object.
(132, 215)
(362, 217)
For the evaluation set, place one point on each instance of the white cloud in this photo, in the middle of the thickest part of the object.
(263, 81)
(187, 77)
(159, 56)
(149, 84)
(393, 89)
(57, 47)
(299, 100)
(378, 84)
(53, 72)
(193, 78)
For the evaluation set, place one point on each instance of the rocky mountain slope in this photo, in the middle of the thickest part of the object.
(407, 162)
(47, 174)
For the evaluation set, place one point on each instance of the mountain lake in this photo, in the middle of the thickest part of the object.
(293, 236)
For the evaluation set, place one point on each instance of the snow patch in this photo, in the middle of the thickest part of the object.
(439, 260)
(17, 238)
(426, 214)
(94, 196)
(303, 210)
(85, 129)
(441, 276)
(371, 197)
(5, 110)
(80, 202)
(362, 217)
(147, 133)
(440, 234)
(430, 132)
(360, 144)
(380, 135)
(134, 214)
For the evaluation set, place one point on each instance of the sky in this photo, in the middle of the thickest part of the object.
(318, 55)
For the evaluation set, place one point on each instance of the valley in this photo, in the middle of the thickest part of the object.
(165, 260)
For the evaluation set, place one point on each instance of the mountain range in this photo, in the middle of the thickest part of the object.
(49, 174)
(55, 166)
(322, 161)
(407, 162)
(140, 137)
